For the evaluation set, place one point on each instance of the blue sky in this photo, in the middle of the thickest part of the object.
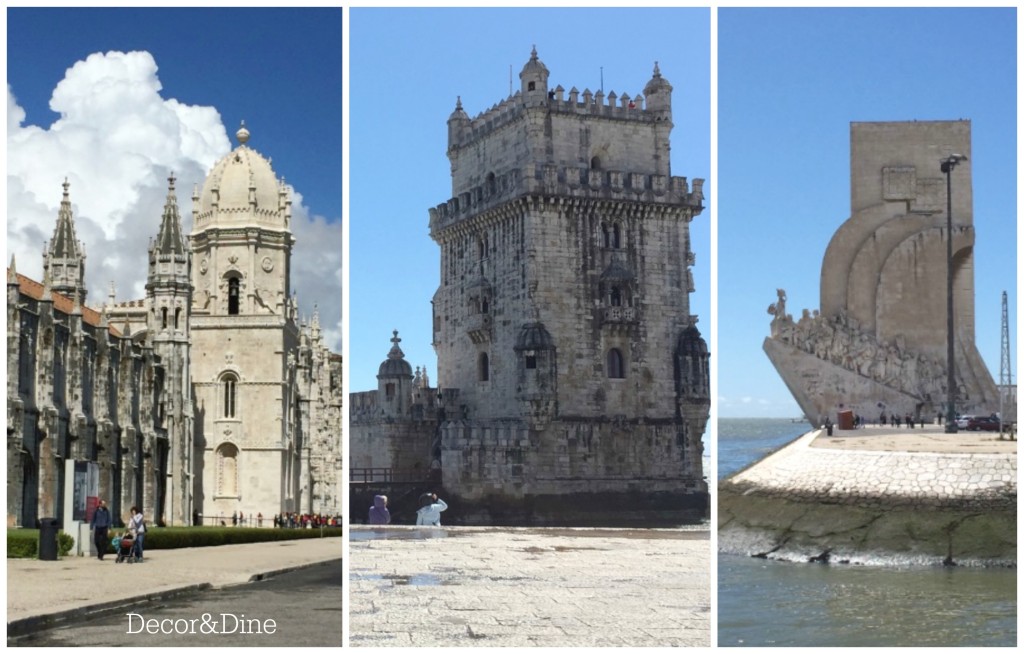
(280, 70)
(399, 111)
(790, 81)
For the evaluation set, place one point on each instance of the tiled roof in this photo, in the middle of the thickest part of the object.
(62, 303)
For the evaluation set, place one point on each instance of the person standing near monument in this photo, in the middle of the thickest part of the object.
(430, 510)
(101, 526)
(138, 526)
(379, 514)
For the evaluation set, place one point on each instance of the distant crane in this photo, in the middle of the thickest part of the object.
(1005, 373)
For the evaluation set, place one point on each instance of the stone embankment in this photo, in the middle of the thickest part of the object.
(877, 496)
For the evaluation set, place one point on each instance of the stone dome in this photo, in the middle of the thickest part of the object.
(395, 365)
(691, 343)
(534, 336)
(228, 184)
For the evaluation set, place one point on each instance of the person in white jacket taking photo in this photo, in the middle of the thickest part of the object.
(429, 513)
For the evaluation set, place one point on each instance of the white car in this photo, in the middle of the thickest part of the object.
(962, 421)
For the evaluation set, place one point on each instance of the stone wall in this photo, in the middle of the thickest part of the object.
(804, 502)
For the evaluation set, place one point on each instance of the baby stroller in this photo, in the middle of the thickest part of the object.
(125, 547)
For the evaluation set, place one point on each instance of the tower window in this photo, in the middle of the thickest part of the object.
(615, 368)
(531, 86)
(616, 297)
(483, 368)
(616, 241)
(163, 318)
(531, 362)
(389, 390)
(230, 383)
(233, 296)
(177, 318)
(595, 163)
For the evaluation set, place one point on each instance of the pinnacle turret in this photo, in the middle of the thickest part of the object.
(170, 241)
(64, 259)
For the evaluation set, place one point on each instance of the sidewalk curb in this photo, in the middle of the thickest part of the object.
(24, 626)
(47, 621)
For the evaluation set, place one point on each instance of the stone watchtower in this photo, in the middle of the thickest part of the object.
(569, 365)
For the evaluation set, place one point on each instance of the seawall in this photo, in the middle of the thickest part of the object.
(877, 495)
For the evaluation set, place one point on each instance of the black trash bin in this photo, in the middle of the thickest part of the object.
(48, 539)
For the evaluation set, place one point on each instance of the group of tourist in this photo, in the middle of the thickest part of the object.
(428, 513)
(306, 520)
(135, 529)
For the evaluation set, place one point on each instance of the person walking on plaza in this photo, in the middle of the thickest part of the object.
(430, 510)
(101, 525)
(379, 514)
(138, 525)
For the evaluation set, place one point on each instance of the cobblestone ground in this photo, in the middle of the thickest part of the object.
(529, 587)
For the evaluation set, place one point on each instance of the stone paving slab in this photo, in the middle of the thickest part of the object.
(930, 438)
(45, 588)
(509, 587)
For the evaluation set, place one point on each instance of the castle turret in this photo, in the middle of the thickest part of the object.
(394, 381)
(534, 80)
(64, 257)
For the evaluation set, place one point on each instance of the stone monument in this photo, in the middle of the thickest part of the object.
(877, 346)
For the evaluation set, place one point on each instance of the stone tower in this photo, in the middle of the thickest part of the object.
(64, 257)
(245, 340)
(562, 316)
(169, 298)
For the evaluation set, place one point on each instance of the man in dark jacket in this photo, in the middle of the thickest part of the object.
(100, 525)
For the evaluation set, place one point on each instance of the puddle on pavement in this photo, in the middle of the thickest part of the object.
(404, 580)
(687, 532)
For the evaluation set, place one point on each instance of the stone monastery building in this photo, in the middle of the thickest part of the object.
(204, 398)
(572, 380)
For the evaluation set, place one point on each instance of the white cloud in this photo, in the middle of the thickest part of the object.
(117, 141)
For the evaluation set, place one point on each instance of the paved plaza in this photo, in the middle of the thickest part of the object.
(471, 586)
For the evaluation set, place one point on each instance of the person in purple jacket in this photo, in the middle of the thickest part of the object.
(379, 514)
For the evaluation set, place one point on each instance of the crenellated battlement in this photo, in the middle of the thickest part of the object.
(585, 103)
(571, 182)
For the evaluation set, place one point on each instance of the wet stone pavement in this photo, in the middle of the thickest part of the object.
(500, 587)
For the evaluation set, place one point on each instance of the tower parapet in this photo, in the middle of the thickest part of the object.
(567, 183)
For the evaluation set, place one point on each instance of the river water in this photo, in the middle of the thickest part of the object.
(772, 603)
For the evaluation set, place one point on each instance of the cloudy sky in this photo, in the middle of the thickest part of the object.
(124, 97)
(790, 82)
(399, 111)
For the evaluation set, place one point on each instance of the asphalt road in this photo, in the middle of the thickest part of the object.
(301, 608)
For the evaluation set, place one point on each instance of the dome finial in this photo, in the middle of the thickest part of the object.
(533, 53)
(242, 134)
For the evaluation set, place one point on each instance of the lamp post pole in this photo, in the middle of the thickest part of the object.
(947, 166)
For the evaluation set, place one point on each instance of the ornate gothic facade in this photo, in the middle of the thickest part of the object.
(204, 398)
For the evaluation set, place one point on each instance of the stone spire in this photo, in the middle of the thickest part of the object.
(169, 240)
(64, 258)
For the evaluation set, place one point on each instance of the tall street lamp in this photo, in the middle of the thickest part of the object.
(947, 166)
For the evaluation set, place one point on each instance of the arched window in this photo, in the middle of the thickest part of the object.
(595, 163)
(616, 298)
(492, 186)
(233, 296)
(615, 368)
(177, 318)
(389, 390)
(483, 367)
(531, 86)
(616, 236)
(606, 236)
(227, 470)
(163, 318)
(229, 383)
